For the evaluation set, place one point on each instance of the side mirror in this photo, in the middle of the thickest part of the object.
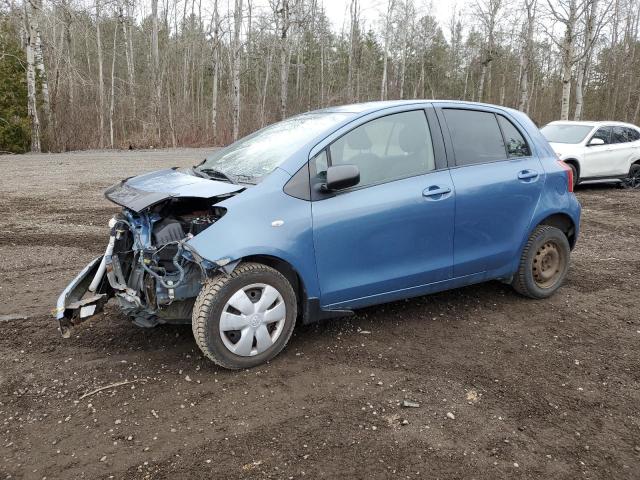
(596, 141)
(342, 176)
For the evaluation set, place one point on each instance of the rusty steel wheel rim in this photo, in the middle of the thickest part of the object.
(548, 264)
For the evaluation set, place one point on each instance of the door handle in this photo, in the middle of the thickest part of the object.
(527, 174)
(434, 190)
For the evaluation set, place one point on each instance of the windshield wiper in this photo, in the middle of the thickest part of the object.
(212, 172)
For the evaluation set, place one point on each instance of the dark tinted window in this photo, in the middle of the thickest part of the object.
(516, 144)
(604, 133)
(632, 134)
(475, 135)
(619, 135)
(387, 148)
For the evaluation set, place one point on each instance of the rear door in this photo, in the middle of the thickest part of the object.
(623, 150)
(498, 181)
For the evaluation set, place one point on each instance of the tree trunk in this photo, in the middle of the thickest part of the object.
(32, 104)
(590, 38)
(155, 69)
(284, 59)
(113, 85)
(237, 21)
(530, 6)
(128, 48)
(385, 60)
(353, 14)
(265, 88)
(100, 78)
(216, 69)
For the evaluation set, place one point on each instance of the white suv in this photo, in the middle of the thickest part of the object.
(597, 150)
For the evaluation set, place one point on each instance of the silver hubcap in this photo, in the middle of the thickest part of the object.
(252, 319)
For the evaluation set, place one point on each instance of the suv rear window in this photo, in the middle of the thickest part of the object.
(475, 135)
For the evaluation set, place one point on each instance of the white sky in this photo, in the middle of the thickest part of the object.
(372, 10)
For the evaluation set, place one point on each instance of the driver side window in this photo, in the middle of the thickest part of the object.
(388, 148)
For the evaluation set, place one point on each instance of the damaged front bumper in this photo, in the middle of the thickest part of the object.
(147, 266)
(76, 303)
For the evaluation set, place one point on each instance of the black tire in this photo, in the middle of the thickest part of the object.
(633, 179)
(214, 295)
(544, 263)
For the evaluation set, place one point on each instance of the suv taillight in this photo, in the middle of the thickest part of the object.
(569, 171)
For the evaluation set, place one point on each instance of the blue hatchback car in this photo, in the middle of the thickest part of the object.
(330, 211)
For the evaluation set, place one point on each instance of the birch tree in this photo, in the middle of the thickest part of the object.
(237, 25)
(527, 54)
(31, 34)
(386, 35)
(487, 11)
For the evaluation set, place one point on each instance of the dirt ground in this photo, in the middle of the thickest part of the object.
(507, 387)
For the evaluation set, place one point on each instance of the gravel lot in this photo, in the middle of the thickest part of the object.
(507, 387)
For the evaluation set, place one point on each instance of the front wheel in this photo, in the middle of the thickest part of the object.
(544, 263)
(245, 318)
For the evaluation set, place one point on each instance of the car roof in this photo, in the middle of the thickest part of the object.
(599, 123)
(369, 107)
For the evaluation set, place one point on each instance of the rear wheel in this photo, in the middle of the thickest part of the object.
(246, 318)
(544, 263)
(633, 179)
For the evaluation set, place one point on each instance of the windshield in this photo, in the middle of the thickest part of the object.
(565, 133)
(260, 153)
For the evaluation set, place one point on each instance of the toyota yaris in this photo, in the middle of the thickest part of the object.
(331, 211)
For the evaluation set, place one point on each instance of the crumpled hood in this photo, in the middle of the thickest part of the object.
(138, 193)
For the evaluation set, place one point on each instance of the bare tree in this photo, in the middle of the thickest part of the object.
(155, 68)
(385, 60)
(285, 23)
(31, 35)
(216, 70)
(527, 54)
(100, 77)
(112, 97)
(592, 27)
(237, 25)
(487, 11)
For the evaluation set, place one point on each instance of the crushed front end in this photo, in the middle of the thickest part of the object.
(148, 266)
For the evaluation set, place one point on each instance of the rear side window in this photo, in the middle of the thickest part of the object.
(515, 142)
(475, 135)
(619, 135)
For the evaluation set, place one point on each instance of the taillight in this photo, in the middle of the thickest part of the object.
(569, 171)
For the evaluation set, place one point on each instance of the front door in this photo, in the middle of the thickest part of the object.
(597, 158)
(392, 231)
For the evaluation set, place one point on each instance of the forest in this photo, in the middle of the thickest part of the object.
(149, 73)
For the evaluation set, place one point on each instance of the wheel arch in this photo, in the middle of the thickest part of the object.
(576, 163)
(562, 222)
(286, 269)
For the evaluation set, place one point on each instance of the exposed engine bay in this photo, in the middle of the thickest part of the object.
(148, 265)
(153, 273)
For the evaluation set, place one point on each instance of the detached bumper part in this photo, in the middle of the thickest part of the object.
(76, 303)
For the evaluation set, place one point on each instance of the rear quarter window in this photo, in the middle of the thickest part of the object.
(475, 135)
(516, 144)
